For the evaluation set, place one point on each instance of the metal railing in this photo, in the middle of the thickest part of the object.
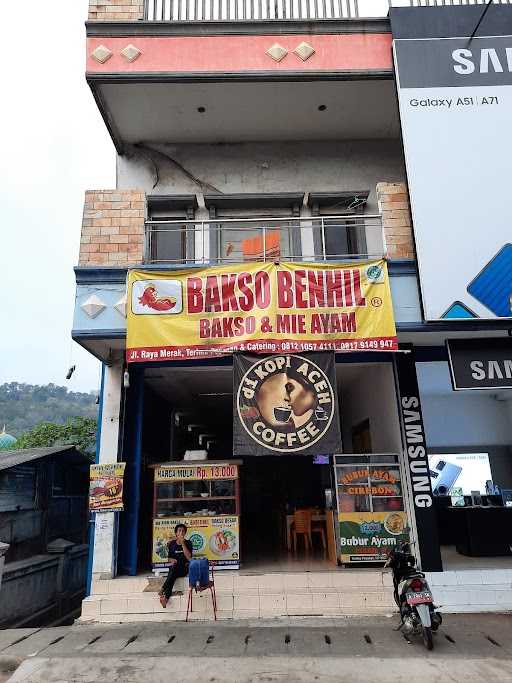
(255, 239)
(271, 10)
(444, 3)
(261, 10)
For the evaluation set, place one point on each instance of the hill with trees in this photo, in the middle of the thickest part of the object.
(23, 406)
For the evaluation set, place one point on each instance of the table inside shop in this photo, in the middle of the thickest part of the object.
(315, 517)
(483, 531)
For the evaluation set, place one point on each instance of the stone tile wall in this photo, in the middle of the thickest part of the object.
(396, 220)
(116, 10)
(112, 228)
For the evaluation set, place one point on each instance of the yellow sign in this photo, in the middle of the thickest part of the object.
(106, 487)
(260, 308)
(196, 472)
(368, 536)
(216, 538)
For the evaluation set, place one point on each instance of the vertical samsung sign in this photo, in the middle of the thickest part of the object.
(455, 99)
(416, 461)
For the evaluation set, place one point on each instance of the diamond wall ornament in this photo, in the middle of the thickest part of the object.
(131, 53)
(120, 306)
(93, 306)
(304, 51)
(101, 54)
(277, 52)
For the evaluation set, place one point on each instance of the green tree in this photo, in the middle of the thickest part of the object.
(79, 431)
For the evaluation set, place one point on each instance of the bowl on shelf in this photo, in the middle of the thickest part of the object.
(204, 495)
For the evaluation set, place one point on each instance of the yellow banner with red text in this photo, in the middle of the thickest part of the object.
(259, 308)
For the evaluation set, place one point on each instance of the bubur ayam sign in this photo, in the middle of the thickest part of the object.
(285, 404)
(259, 308)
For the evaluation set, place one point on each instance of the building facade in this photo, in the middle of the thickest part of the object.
(306, 133)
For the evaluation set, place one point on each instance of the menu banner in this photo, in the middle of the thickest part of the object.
(196, 472)
(259, 307)
(216, 538)
(285, 405)
(106, 487)
(369, 536)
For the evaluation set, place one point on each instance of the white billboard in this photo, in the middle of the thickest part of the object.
(455, 98)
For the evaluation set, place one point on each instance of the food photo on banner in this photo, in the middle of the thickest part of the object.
(285, 404)
(216, 538)
(259, 308)
(106, 487)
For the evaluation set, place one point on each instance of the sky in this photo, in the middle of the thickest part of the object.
(54, 147)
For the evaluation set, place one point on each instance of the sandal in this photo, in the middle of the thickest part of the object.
(163, 600)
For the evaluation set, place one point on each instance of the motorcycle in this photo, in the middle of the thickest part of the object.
(413, 595)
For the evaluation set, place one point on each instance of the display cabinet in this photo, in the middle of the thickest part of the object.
(206, 498)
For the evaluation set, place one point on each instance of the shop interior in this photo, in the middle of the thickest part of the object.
(469, 441)
(188, 414)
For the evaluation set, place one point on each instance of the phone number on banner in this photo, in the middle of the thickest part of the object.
(262, 346)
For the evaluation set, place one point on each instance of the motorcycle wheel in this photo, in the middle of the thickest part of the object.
(428, 640)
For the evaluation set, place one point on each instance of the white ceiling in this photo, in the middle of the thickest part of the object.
(235, 112)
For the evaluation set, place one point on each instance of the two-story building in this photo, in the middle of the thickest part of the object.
(304, 132)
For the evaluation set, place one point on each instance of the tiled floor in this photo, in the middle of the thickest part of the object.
(452, 560)
(286, 563)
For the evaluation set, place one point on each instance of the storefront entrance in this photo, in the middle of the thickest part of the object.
(188, 419)
(273, 488)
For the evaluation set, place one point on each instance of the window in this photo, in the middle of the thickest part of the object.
(170, 235)
(18, 488)
(339, 237)
(254, 227)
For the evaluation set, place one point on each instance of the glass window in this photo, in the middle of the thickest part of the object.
(196, 489)
(170, 490)
(238, 241)
(223, 487)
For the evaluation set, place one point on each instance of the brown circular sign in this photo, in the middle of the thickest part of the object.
(285, 403)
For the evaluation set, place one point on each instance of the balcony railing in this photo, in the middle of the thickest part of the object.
(289, 239)
(271, 10)
(262, 10)
(444, 3)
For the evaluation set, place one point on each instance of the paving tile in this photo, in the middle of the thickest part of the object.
(37, 642)
(9, 636)
(246, 602)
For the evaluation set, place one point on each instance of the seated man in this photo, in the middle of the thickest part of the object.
(180, 554)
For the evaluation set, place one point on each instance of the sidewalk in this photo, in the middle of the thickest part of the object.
(472, 648)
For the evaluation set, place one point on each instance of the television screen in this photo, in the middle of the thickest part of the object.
(466, 471)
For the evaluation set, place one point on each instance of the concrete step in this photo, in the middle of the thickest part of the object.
(245, 597)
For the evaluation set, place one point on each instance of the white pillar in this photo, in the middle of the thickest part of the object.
(105, 528)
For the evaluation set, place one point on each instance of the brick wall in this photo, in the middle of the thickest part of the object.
(112, 228)
(396, 220)
(116, 10)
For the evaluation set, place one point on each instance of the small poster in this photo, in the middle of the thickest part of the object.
(285, 404)
(369, 536)
(216, 538)
(106, 487)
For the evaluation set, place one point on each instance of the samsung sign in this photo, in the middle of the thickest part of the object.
(480, 363)
(416, 462)
(455, 101)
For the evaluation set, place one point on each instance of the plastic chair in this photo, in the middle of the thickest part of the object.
(210, 587)
(302, 527)
(319, 528)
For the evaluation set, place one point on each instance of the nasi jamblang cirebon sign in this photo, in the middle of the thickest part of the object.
(259, 308)
(106, 487)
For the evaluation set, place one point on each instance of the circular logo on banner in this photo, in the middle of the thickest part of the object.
(197, 542)
(285, 403)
